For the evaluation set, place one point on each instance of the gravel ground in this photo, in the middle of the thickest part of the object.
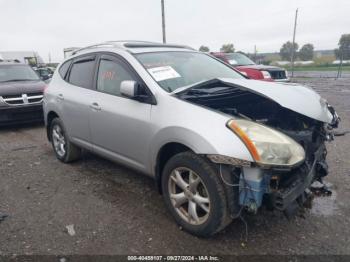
(114, 210)
(321, 74)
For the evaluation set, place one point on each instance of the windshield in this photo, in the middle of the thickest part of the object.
(17, 73)
(238, 59)
(173, 70)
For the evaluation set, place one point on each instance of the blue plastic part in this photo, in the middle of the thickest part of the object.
(252, 189)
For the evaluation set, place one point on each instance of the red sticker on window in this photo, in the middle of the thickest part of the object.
(108, 75)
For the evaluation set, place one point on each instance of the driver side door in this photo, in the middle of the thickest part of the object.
(120, 127)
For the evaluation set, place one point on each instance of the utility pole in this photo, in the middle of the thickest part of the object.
(255, 53)
(340, 63)
(163, 22)
(293, 50)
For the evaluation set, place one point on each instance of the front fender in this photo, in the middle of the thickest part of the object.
(223, 143)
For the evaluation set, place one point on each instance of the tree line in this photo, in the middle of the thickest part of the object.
(305, 53)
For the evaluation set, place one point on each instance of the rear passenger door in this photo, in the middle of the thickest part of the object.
(120, 127)
(77, 97)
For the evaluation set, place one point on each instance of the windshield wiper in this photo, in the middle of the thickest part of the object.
(243, 64)
(208, 90)
(198, 85)
(208, 87)
(18, 80)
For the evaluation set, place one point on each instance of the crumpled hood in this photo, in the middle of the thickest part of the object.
(297, 98)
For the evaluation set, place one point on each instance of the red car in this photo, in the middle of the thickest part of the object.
(247, 67)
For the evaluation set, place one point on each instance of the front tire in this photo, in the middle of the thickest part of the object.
(65, 151)
(194, 194)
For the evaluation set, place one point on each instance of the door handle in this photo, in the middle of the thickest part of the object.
(60, 97)
(95, 106)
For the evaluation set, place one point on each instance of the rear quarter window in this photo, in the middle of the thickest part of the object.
(64, 68)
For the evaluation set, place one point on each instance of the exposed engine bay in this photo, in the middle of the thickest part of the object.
(283, 188)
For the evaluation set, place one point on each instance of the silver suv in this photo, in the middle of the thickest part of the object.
(216, 143)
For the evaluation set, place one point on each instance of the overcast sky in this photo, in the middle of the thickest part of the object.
(48, 26)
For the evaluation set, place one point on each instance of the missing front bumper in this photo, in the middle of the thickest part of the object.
(297, 193)
(257, 188)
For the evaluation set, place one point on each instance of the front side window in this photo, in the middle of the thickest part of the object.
(82, 73)
(10, 73)
(173, 70)
(110, 75)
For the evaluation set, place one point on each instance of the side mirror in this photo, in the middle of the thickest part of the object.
(129, 88)
(134, 90)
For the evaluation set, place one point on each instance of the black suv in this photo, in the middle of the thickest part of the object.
(21, 94)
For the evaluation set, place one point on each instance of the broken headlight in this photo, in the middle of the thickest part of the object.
(266, 145)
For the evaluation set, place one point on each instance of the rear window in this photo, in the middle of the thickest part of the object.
(82, 72)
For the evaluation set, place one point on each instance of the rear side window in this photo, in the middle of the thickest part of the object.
(64, 68)
(82, 73)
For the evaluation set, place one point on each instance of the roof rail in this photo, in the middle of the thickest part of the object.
(130, 41)
(93, 46)
(130, 44)
(149, 44)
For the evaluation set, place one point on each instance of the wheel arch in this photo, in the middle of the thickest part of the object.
(166, 152)
(171, 141)
(50, 116)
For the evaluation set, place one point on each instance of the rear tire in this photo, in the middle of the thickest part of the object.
(195, 195)
(65, 151)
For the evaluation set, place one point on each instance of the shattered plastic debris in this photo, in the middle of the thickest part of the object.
(70, 230)
(320, 189)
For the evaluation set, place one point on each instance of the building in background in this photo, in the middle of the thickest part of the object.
(68, 51)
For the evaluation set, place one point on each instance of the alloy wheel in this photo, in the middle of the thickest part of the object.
(59, 141)
(189, 196)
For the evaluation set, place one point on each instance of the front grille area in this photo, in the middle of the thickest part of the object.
(23, 99)
(278, 74)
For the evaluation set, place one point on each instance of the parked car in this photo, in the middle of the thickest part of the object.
(44, 73)
(51, 70)
(214, 142)
(21, 94)
(247, 67)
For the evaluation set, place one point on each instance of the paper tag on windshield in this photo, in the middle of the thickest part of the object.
(163, 73)
(232, 62)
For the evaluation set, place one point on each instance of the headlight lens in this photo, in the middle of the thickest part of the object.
(266, 145)
(266, 74)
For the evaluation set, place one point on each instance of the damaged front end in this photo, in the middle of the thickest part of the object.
(281, 178)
